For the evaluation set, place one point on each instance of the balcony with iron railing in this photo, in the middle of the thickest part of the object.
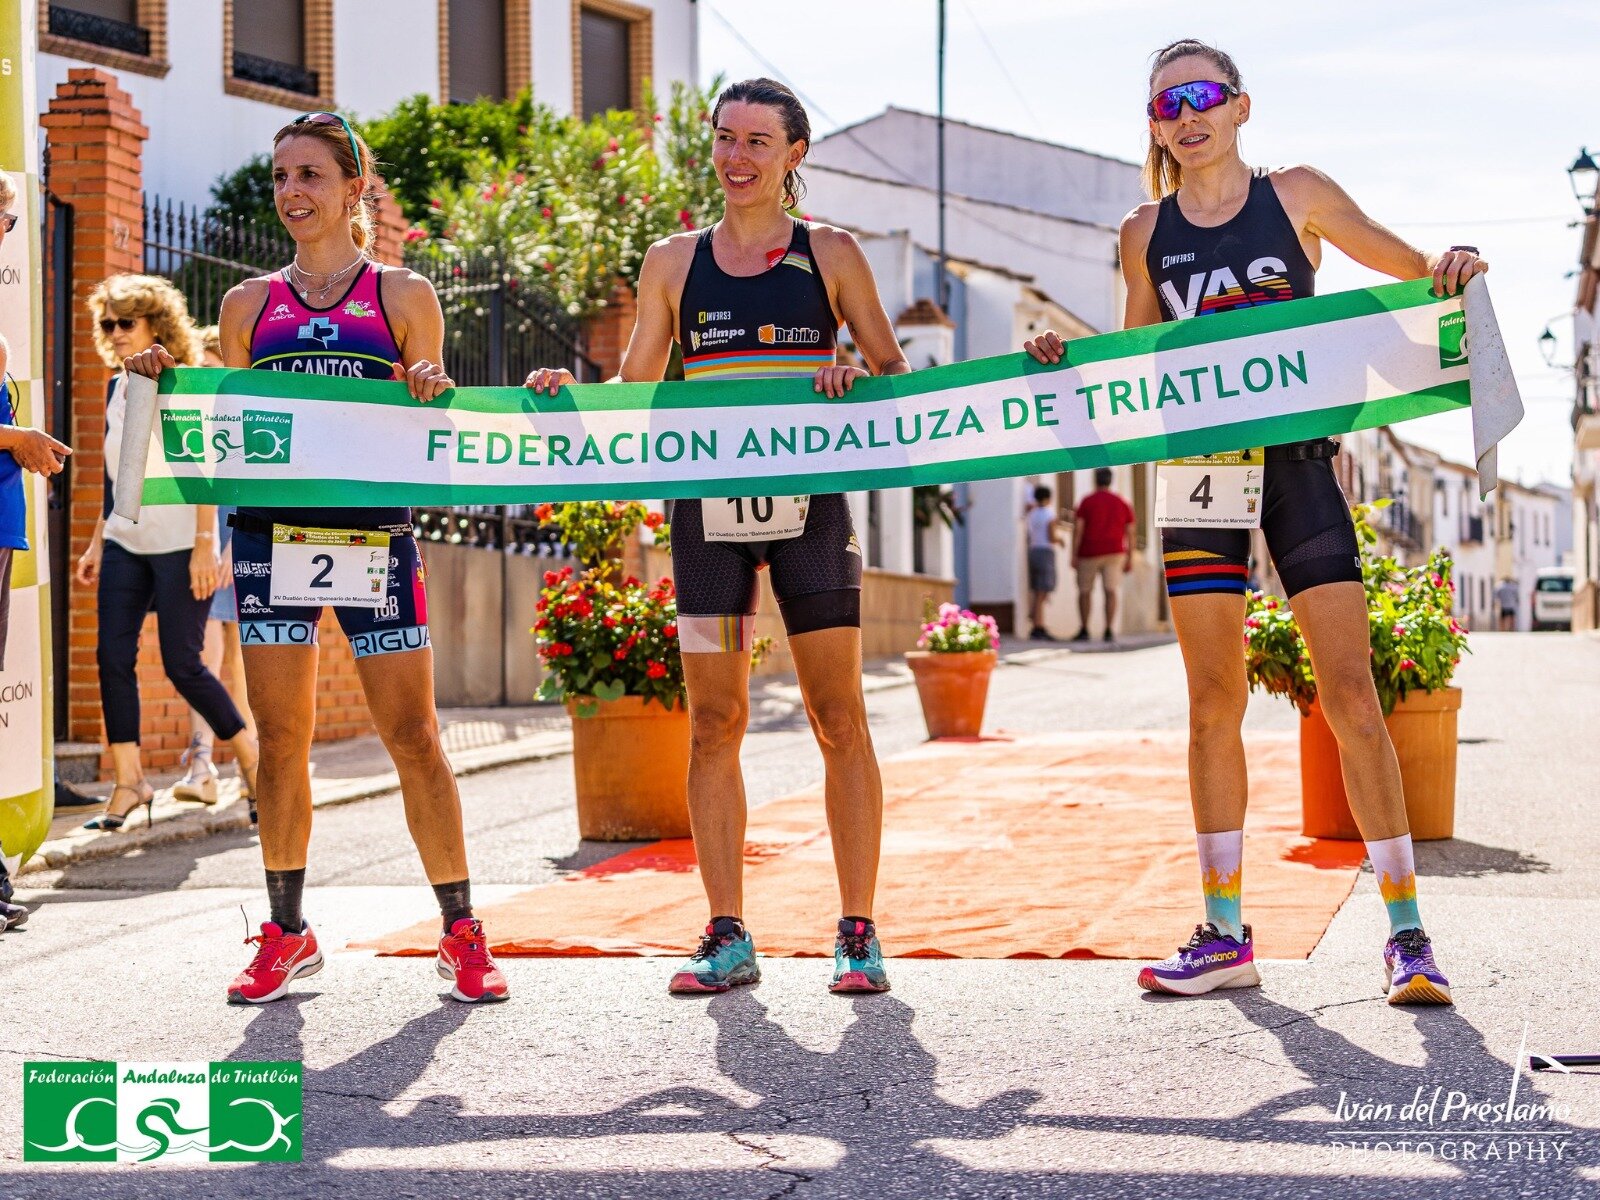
(68, 22)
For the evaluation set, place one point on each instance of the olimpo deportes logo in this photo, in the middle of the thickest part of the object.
(172, 1112)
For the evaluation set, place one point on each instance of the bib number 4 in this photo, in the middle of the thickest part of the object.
(1220, 491)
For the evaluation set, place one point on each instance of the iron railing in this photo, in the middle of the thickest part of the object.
(291, 77)
(69, 22)
(204, 254)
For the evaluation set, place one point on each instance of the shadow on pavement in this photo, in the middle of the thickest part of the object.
(876, 1099)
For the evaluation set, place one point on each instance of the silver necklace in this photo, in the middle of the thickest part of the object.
(302, 277)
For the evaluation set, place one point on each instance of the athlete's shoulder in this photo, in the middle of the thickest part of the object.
(402, 283)
(1301, 181)
(244, 299)
(830, 239)
(672, 250)
(1137, 228)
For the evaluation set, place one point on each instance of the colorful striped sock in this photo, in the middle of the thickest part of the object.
(1221, 869)
(1393, 864)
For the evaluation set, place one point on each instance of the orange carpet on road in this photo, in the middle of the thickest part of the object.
(1063, 846)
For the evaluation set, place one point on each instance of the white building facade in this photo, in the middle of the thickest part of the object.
(214, 79)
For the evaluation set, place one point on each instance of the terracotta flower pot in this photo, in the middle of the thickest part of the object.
(1423, 729)
(953, 689)
(630, 761)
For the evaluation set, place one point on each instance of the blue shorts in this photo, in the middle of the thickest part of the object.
(401, 624)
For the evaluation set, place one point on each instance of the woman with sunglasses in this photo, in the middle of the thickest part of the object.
(333, 311)
(167, 560)
(712, 292)
(1219, 236)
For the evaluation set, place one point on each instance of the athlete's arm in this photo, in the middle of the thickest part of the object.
(241, 306)
(1324, 209)
(418, 325)
(1142, 306)
(661, 279)
(854, 294)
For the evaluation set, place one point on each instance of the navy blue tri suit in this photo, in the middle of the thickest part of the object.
(1254, 258)
(351, 337)
(779, 324)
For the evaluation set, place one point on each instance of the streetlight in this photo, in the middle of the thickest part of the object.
(1547, 347)
(1585, 175)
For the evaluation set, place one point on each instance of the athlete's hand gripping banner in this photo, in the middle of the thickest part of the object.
(1258, 377)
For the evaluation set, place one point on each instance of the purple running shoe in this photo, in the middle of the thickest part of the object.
(1409, 972)
(1211, 960)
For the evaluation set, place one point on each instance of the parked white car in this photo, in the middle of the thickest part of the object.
(1552, 598)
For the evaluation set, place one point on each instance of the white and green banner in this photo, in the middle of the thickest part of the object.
(1263, 376)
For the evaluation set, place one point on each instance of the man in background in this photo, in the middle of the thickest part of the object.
(1102, 548)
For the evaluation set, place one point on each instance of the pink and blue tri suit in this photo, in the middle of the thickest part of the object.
(352, 338)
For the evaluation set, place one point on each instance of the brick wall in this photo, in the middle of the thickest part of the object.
(95, 138)
(606, 334)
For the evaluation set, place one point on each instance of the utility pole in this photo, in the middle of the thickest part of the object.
(940, 288)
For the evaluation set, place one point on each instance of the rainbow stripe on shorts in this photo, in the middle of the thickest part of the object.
(1200, 572)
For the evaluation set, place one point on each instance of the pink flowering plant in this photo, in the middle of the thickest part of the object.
(1416, 641)
(573, 205)
(950, 629)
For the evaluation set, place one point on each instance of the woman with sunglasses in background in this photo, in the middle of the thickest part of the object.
(333, 311)
(1218, 236)
(166, 560)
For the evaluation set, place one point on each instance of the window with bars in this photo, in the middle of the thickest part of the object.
(113, 24)
(269, 45)
(607, 62)
(477, 50)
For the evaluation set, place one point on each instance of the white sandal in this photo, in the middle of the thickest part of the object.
(200, 784)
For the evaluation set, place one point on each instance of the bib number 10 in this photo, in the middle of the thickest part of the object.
(754, 518)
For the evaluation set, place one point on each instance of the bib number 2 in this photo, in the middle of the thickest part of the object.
(754, 518)
(345, 567)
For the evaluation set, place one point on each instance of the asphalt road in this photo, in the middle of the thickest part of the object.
(999, 1078)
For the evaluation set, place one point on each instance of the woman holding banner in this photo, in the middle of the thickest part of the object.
(334, 311)
(1219, 236)
(761, 295)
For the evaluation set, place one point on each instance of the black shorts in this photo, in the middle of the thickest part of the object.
(1305, 520)
(816, 577)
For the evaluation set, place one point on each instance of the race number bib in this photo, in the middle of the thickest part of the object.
(348, 567)
(1222, 491)
(754, 518)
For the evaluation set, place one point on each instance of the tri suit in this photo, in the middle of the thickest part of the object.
(353, 338)
(779, 324)
(1254, 258)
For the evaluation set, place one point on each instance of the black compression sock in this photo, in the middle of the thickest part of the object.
(847, 925)
(455, 901)
(726, 926)
(284, 892)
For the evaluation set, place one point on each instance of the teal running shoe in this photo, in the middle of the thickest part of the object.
(857, 959)
(726, 959)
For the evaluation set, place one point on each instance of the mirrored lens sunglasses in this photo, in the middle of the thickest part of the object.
(328, 118)
(1201, 95)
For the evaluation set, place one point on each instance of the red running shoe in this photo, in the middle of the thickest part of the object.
(281, 958)
(464, 960)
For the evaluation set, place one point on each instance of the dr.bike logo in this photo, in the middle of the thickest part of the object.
(263, 437)
(1453, 340)
(779, 335)
(171, 1111)
(1220, 290)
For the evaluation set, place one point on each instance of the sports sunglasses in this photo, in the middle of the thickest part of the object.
(327, 118)
(1201, 95)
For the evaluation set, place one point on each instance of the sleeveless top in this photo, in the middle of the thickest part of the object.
(352, 338)
(775, 325)
(1255, 258)
(13, 487)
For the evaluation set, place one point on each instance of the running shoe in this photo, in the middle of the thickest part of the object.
(857, 959)
(12, 916)
(726, 959)
(1211, 960)
(1409, 972)
(280, 958)
(464, 959)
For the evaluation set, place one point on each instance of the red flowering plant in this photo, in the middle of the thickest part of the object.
(603, 635)
(1416, 642)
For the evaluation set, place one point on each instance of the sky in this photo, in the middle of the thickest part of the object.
(1451, 124)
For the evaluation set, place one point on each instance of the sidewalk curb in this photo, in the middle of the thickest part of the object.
(230, 814)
